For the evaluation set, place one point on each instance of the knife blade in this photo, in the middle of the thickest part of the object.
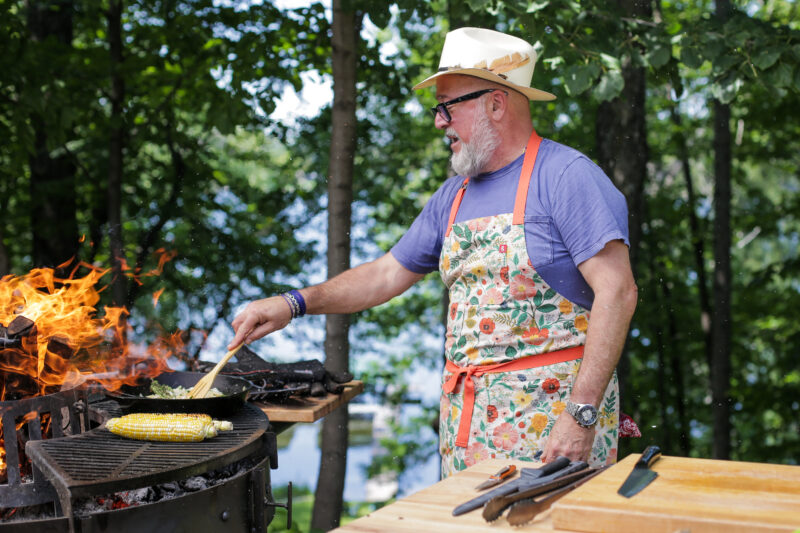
(507, 472)
(526, 476)
(642, 475)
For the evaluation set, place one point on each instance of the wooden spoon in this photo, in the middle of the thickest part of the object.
(202, 387)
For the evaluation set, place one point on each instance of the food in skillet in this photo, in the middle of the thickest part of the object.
(172, 427)
(165, 392)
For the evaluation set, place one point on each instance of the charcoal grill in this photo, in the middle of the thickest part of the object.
(67, 417)
(97, 462)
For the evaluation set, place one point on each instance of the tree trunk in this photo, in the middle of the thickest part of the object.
(116, 142)
(622, 152)
(330, 483)
(53, 218)
(720, 369)
(696, 235)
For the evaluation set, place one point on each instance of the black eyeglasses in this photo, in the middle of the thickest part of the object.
(442, 108)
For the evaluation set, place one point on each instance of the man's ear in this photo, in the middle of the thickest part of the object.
(499, 103)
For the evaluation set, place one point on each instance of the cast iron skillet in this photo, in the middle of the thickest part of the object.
(133, 399)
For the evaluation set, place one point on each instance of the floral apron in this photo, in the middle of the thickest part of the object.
(513, 344)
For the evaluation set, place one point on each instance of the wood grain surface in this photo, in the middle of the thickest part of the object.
(430, 510)
(697, 495)
(310, 408)
(689, 495)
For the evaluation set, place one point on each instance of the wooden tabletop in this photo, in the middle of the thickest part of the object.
(431, 509)
(310, 408)
(689, 494)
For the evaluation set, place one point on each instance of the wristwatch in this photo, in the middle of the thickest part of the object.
(585, 414)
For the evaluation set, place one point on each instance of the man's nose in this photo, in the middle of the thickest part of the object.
(440, 122)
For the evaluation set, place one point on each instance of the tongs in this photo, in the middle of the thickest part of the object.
(529, 478)
(525, 506)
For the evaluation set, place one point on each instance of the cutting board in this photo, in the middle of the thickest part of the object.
(310, 408)
(431, 509)
(697, 495)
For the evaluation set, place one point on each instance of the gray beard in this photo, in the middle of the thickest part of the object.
(474, 156)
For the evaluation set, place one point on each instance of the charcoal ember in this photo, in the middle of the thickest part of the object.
(60, 346)
(5, 341)
(194, 484)
(20, 327)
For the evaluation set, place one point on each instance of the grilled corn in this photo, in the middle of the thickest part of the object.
(172, 427)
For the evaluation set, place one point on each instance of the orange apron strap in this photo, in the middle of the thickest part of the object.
(533, 361)
(528, 163)
(455, 206)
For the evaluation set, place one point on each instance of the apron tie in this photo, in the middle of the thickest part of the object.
(525, 363)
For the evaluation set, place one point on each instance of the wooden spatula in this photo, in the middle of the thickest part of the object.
(202, 387)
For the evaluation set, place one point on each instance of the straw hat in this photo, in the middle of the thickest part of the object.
(489, 55)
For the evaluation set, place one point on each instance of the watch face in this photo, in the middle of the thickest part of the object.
(587, 415)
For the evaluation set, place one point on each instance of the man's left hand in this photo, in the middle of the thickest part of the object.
(569, 439)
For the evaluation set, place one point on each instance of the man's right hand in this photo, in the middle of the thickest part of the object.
(260, 318)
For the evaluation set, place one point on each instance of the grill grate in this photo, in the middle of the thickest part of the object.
(99, 462)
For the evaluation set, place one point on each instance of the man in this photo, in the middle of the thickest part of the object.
(529, 237)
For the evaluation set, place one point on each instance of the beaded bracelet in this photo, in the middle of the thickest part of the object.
(296, 302)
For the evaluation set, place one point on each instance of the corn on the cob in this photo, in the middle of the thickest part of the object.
(172, 427)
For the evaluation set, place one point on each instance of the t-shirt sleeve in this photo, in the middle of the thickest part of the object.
(588, 210)
(419, 248)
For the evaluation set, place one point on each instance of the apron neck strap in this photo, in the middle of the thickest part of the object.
(522, 186)
(531, 151)
(456, 204)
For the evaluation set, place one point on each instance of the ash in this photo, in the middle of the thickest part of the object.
(84, 507)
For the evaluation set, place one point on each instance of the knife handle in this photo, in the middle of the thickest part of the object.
(650, 455)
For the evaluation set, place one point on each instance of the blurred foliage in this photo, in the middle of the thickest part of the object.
(202, 78)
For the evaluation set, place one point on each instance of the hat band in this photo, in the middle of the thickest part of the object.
(445, 69)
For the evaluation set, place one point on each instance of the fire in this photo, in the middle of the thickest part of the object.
(53, 338)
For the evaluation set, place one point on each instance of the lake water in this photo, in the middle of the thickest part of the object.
(299, 463)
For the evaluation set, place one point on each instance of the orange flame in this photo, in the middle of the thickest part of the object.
(68, 339)
(157, 295)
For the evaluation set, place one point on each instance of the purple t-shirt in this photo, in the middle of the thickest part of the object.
(573, 210)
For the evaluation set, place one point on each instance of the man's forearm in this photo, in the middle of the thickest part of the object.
(608, 329)
(359, 288)
(615, 295)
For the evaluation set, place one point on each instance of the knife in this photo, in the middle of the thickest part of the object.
(641, 476)
(507, 472)
(527, 476)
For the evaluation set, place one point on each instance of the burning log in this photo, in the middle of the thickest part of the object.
(21, 327)
(60, 347)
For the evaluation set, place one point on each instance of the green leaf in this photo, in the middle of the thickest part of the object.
(691, 57)
(478, 5)
(659, 56)
(781, 75)
(579, 78)
(766, 58)
(610, 62)
(533, 7)
(610, 86)
(547, 308)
